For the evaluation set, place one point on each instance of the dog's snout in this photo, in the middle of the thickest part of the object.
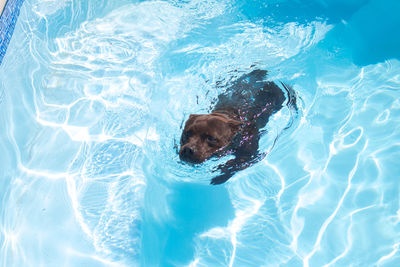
(187, 152)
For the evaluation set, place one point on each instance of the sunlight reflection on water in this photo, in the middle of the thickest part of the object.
(90, 123)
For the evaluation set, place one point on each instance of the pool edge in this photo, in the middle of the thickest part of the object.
(9, 10)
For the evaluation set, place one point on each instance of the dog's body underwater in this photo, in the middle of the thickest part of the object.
(234, 123)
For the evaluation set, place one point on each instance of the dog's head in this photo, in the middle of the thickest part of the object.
(206, 135)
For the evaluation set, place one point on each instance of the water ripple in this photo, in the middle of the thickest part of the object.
(91, 124)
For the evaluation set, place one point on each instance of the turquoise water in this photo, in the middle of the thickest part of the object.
(92, 98)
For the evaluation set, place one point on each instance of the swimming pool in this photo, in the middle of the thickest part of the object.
(92, 98)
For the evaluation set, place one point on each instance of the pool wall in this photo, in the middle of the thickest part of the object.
(9, 13)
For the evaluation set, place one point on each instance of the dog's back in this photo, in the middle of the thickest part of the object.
(252, 98)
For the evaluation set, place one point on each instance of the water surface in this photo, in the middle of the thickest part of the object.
(92, 98)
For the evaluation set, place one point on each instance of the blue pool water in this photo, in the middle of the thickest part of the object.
(92, 98)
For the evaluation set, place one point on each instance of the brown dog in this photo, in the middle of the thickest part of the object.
(233, 125)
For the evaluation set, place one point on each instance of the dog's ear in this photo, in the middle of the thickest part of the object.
(234, 124)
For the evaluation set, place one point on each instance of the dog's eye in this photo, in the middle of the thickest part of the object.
(211, 139)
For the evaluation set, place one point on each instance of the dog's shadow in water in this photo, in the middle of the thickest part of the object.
(195, 209)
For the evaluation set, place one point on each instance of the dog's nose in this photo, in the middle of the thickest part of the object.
(187, 152)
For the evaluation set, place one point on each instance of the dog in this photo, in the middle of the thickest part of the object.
(233, 126)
